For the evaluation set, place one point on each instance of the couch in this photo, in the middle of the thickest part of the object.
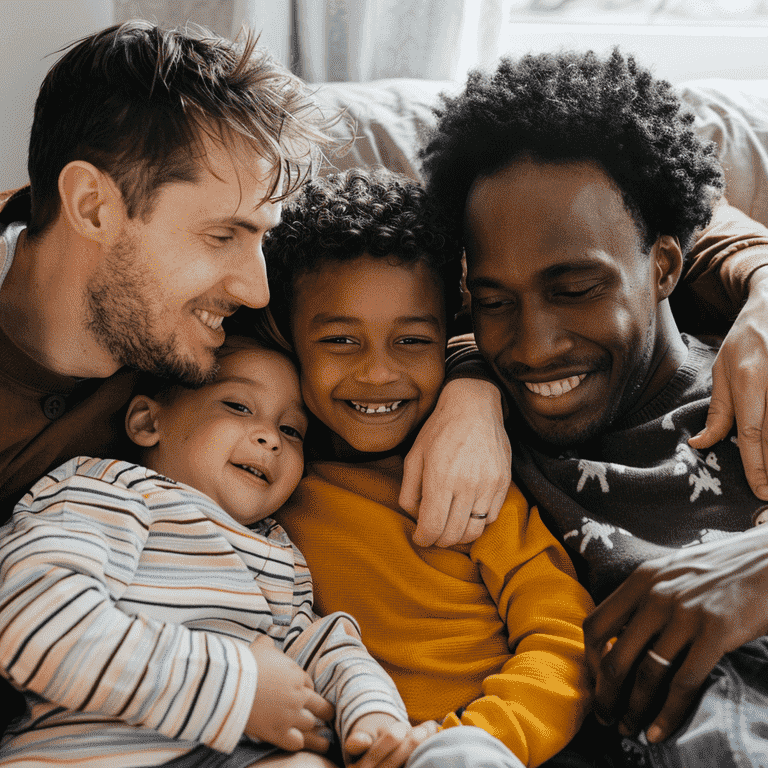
(391, 117)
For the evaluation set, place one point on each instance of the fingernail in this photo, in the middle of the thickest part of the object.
(653, 734)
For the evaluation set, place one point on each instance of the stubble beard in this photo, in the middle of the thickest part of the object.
(120, 298)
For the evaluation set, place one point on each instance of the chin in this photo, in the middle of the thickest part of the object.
(373, 446)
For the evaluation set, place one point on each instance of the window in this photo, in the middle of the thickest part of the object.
(677, 39)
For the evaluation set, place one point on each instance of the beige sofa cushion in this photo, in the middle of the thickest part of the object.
(734, 114)
(391, 116)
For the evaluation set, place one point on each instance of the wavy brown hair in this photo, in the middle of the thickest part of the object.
(136, 101)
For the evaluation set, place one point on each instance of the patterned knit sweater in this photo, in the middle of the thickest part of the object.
(127, 605)
(639, 491)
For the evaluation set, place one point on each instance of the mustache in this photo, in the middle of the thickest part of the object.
(224, 307)
(554, 369)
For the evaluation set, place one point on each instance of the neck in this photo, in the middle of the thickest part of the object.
(669, 353)
(43, 303)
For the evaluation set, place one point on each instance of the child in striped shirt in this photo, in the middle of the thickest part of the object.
(156, 614)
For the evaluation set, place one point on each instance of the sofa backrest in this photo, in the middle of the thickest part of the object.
(391, 117)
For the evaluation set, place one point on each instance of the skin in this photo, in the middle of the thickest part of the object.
(739, 387)
(377, 340)
(460, 462)
(143, 284)
(252, 415)
(561, 288)
(567, 308)
(143, 287)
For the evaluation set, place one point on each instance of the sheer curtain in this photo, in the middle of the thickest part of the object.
(335, 40)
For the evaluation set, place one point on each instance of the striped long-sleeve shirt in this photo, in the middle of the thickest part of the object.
(127, 603)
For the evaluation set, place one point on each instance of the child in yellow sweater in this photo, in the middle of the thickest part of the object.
(486, 634)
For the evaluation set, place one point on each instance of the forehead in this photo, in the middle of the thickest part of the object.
(232, 184)
(260, 367)
(533, 216)
(370, 289)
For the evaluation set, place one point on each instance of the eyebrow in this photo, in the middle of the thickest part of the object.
(323, 318)
(296, 405)
(550, 273)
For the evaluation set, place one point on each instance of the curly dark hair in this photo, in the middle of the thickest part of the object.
(570, 107)
(361, 211)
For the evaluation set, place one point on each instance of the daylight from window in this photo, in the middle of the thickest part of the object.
(688, 12)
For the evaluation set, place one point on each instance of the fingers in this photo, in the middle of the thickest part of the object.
(462, 506)
(616, 665)
(484, 512)
(318, 739)
(751, 420)
(700, 660)
(410, 489)
(319, 707)
(606, 622)
(720, 415)
(400, 754)
(391, 747)
(650, 684)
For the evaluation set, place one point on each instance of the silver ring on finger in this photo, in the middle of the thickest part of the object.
(658, 659)
(478, 515)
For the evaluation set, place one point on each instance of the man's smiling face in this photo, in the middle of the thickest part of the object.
(563, 298)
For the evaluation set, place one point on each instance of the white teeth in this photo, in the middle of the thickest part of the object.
(207, 318)
(555, 388)
(253, 471)
(383, 408)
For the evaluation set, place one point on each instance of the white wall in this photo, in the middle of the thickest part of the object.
(29, 31)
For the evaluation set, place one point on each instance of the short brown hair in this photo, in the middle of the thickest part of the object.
(135, 101)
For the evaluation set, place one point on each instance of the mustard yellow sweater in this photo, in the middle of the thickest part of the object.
(494, 626)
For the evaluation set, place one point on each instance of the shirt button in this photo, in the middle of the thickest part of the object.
(54, 406)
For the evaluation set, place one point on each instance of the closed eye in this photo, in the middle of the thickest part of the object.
(337, 340)
(239, 407)
(491, 305)
(579, 293)
(222, 238)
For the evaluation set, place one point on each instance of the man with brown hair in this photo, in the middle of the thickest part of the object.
(158, 161)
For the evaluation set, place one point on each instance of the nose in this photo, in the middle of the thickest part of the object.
(247, 282)
(267, 437)
(377, 368)
(538, 337)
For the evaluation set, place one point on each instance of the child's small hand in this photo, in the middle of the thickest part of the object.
(286, 711)
(381, 741)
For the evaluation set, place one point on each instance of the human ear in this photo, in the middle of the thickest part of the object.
(668, 256)
(91, 203)
(141, 421)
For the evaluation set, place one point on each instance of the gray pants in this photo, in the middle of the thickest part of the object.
(463, 747)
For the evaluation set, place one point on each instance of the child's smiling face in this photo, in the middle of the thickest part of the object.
(239, 439)
(370, 334)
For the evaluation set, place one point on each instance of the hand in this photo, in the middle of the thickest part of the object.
(690, 608)
(460, 463)
(383, 741)
(740, 387)
(286, 710)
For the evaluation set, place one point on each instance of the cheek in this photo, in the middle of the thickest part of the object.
(490, 333)
(318, 379)
(431, 377)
